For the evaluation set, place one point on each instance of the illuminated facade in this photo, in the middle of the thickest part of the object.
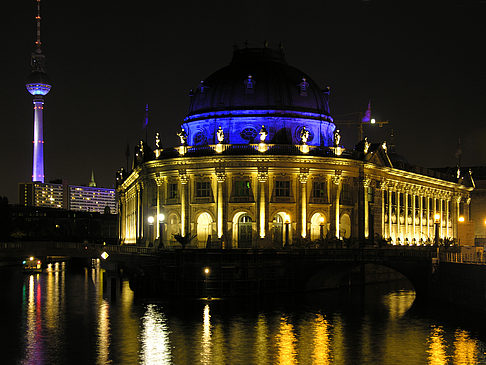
(38, 85)
(261, 165)
(72, 197)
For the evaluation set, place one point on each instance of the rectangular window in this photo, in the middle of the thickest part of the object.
(282, 188)
(203, 189)
(241, 188)
(371, 195)
(319, 191)
(346, 194)
(173, 191)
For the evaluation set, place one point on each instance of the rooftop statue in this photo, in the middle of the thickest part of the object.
(337, 138)
(183, 136)
(263, 134)
(220, 134)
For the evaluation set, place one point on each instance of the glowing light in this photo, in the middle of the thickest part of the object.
(31, 258)
(104, 255)
(262, 147)
(161, 217)
(461, 219)
(206, 270)
(437, 217)
(219, 148)
(321, 219)
(304, 148)
(150, 219)
(286, 218)
(372, 121)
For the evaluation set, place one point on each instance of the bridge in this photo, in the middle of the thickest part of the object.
(435, 274)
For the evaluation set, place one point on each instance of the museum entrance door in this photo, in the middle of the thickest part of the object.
(278, 230)
(245, 232)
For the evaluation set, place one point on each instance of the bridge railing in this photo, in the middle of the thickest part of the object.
(458, 257)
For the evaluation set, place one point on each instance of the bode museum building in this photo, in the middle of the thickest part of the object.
(260, 165)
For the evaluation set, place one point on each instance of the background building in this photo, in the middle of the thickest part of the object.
(261, 164)
(71, 197)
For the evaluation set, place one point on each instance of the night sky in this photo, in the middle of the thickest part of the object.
(422, 68)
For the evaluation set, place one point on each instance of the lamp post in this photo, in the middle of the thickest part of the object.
(287, 228)
(160, 219)
(206, 273)
(437, 223)
(321, 227)
(150, 221)
(359, 122)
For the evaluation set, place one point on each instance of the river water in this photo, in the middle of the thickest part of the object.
(64, 317)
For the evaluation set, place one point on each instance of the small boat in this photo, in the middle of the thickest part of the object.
(32, 264)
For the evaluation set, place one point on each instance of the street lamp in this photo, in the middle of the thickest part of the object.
(437, 223)
(206, 273)
(150, 221)
(321, 227)
(161, 218)
(287, 227)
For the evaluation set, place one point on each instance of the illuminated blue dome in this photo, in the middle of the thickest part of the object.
(38, 83)
(259, 88)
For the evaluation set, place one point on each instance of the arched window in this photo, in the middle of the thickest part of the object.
(345, 226)
(318, 227)
(204, 223)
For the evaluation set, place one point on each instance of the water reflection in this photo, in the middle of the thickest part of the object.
(322, 342)
(122, 330)
(436, 350)
(155, 337)
(285, 340)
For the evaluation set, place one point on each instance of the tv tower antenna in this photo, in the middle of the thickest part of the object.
(38, 86)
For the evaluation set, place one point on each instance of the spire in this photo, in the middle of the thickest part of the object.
(92, 182)
(38, 19)
(37, 60)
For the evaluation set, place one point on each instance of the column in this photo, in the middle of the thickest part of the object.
(414, 209)
(336, 179)
(158, 183)
(441, 202)
(390, 196)
(383, 192)
(366, 186)
(303, 176)
(183, 179)
(138, 203)
(398, 235)
(262, 179)
(221, 177)
(405, 196)
(447, 202)
(428, 217)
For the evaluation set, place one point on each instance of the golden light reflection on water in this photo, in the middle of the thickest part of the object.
(103, 332)
(285, 340)
(155, 344)
(437, 348)
(261, 343)
(465, 348)
(322, 341)
(399, 302)
(33, 348)
(206, 337)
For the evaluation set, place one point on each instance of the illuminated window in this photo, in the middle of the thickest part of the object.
(203, 189)
(241, 188)
(282, 188)
(319, 191)
(173, 191)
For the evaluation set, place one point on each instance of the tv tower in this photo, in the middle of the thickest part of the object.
(38, 85)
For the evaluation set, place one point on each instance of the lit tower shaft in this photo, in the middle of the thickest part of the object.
(38, 85)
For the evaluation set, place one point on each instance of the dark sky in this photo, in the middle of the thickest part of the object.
(423, 68)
